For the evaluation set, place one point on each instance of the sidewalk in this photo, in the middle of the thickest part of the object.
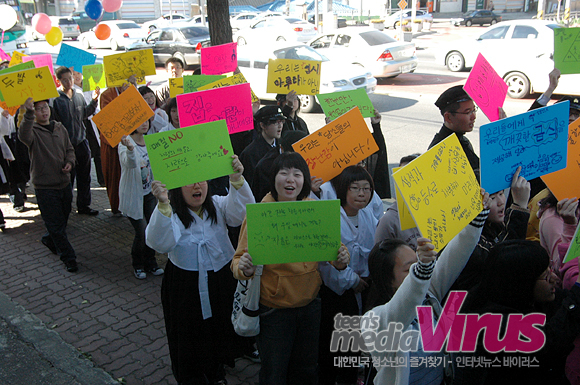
(100, 316)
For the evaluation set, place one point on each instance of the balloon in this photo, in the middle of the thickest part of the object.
(41, 23)
(54, 36)
(102, 31)
(94, 9)
(112, 5)
(8, 17)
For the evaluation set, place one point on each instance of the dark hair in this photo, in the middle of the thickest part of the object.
(348, 176)
(61, 71)
(289, 138)
(548, 202)
(182, 211)
(409, 158)
(135, 130)
(169, 104)
(452, 108)
(290, 160)
(144, 90)
(381, 265)
(40, 101)
(174, 60)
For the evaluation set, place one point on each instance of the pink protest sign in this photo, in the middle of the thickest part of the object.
(42, 60)
(219, 59)
(4, 55)
(486, 88)
(233, 104)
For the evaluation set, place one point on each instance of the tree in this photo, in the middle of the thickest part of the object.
(218, 18)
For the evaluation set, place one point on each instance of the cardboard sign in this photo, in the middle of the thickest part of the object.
(535, 140)
(487, 89)
(93, 77)
(338, 103)
(175, 87)
(11, 110)
(73, 57)
(567, 50)
(35, 83)
(40, 61)
(191, 154)
(441, 191)
(17, 67)
(119, 67)
(285, 75)
(286, 232)
(574, 249)
(4, 55)
(341, 143)
(192, 82)
(229, 81)
(566, 183)
(405, 218)
(233, 104)
(122, 116)
(16, 58)
(219, 59)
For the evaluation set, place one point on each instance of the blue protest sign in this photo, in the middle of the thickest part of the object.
(70, 56)
(536, 140)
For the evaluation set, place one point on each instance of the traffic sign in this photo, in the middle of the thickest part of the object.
(402, 4)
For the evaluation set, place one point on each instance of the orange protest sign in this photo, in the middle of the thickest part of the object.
(122, 116)
(566, 183)
(343, 142)
(11, 110)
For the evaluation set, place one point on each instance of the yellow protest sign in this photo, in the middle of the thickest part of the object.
(36, 83)
(119, 67)
(175, 87)
(122, 116)
(16, 58)
(229, 81)
(285, 75)
(441, 191)
(405, 218)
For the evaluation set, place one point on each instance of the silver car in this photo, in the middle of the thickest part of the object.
(69, 27)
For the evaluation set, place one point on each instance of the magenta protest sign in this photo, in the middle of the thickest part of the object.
(233, 104)
(219, 59)
(40, 61)
(486, 88)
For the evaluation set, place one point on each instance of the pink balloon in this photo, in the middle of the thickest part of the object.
(41, 23)
(112, 5)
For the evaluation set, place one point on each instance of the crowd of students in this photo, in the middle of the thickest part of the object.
(379, 269)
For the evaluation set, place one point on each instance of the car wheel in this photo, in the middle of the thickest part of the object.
(114, 45)
(152, 28)
(518, 85)
(468, 23)
(455, 62)
(308, 103)
(241, 41)
(35, 36)
(85, 43)
(280, 38)
(493, 21)
(395, 25)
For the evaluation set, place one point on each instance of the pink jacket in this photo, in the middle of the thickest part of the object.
(553, 231)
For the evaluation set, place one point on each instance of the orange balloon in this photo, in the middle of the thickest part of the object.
(102, 31)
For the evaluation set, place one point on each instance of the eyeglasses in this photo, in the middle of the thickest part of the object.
(356, 189)
(42, 108)
(473, 111)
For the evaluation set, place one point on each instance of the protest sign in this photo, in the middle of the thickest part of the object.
(567, 50)
(122, 116)
(286, 232)
(17, 67)
(16, 58)
(229, 81)
(11, 110)
(487, 89)
(70, 56)
(285, 75)
(233, 104)
(93, 77)
(338, 103)
(119, 67)
(192, 82)
(4, 55)
(175, 87)
(566, 183)
(535, 140)
(36, 83)
(341, 143)
(219, 59)
(405, 218)
(40, 61)
(190, 154)
(574, 249)
(441, 191)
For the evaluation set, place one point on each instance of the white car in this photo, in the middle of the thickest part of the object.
(394, 19)
(335, 76)
(243, 20)
(123, 34)
(374, 50)
(277, 28)
(520, 51)
(164, 21)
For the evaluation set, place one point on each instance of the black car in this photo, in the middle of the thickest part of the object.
(86, 23)
(181, 41)
(480, 17)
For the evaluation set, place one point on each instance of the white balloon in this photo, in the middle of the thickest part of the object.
(8, 17)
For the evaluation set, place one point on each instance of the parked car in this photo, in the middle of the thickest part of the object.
(182, 41)
(520, 51)
(374, 50)
(340, 22)
(86, 23)
(164, 21)
(480, 16)
(70, 29)
(123, 34)
(243, 20)
(395, 18)
(196, 20)
(276, 28)
(335, 74)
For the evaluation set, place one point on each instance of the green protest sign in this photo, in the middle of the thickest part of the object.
(190, 154)
(192, 82)
(18, 67)
(567, 50)
(93, 77)
(286, 232)
(574, 249)
(336, 104)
